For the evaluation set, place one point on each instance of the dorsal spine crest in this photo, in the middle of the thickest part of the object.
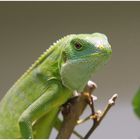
(41, 58)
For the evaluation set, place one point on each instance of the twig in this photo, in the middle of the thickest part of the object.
(98, 118)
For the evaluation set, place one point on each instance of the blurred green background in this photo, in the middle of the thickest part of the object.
(29, 28)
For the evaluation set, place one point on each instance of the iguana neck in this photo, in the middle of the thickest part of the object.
(50, 66)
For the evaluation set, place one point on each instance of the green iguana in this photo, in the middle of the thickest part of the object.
(30, 107)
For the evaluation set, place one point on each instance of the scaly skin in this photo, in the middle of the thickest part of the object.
(29, 108)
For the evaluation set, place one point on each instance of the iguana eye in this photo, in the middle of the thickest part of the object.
(78, 46)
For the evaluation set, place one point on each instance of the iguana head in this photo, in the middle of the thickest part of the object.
(82, 55)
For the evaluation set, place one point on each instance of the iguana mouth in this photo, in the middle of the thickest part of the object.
(85, 58)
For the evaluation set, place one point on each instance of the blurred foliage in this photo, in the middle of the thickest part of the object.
(136, 103)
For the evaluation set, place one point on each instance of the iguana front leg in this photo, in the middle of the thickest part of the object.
(42, 127)
(51, 99)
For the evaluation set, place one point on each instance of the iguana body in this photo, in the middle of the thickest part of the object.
(30, 107)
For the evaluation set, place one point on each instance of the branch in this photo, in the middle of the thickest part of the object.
(75, 107)
(71, 113)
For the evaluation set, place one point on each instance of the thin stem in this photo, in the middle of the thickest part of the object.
(97, 120)
(78, 135)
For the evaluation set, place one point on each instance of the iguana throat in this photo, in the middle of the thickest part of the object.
(75, 74)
